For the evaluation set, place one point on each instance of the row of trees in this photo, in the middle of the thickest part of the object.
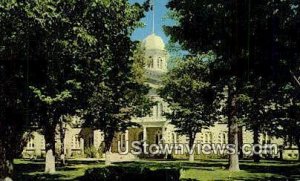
(256, 48)
(64, 58)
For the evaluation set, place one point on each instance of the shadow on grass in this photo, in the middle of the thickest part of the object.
(46, 177)
(267, 170)
(33, 170)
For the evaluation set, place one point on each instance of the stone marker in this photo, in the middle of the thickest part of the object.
(50, 162)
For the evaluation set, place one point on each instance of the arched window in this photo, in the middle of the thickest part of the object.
(159, 62)
(150, 62)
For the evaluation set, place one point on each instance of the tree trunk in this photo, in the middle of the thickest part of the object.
(233, 139)
(50, 151)
(6, 163)
(192, 157)
(108, 157)
(62, 146)
(256, 156)
(191, 143)
(108, 138)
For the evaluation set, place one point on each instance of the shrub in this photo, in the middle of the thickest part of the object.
(118, 173)
(91, 152)
(76, 154)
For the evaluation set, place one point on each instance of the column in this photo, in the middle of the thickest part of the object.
(65, 142)
(126, 140)
(82, 144)
(158, 109)
(144, 133)
(163, 134)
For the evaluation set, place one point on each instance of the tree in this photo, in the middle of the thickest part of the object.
(253, 109)
(14, 108)
(285, 113)
(121, 95)
(54, 86)
(62, 40)
(247, 39)
(96, 56)
(190, 96)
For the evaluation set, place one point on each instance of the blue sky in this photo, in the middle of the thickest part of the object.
(160, 20)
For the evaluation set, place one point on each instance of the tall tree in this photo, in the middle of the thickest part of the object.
(190, 96)
(70, 47)
(14, 108)
(255, 110)
(249, 42)
(121, 94)
(88, 54)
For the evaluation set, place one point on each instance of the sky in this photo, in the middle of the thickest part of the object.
(160, 20)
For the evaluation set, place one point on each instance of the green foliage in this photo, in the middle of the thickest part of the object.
(56, 56)
(91, 152)
(250, 43)
(190, 96)
(113, 72)
(285, 112)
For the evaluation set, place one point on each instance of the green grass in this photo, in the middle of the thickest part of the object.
(199, 170)
(34, 170)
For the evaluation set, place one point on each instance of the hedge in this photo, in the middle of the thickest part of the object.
(119, 173)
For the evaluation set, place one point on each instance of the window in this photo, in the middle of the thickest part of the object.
(223, 137)
(90, 141)
(141, 136)
(158, 137)
(154, 111)
(122, 139)
(266, 139)
(157, 110)
(174, 138)
(76, 142)
(158, 63)
(30, 143)
(148, 63)
(161, 108)
(207, 137)
(43, 145)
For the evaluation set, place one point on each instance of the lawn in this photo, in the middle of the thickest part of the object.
(199, 170)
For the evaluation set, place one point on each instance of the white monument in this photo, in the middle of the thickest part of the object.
(50, 162)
